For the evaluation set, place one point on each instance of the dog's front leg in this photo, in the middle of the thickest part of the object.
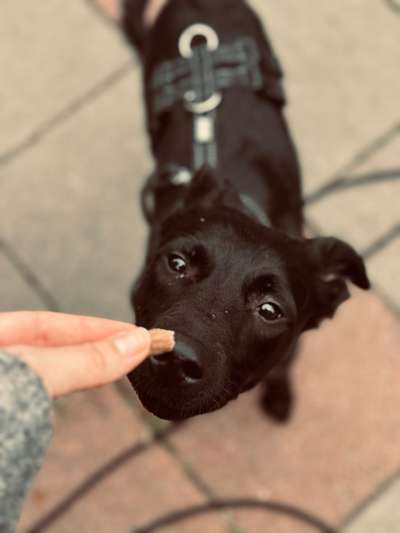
(277, 396)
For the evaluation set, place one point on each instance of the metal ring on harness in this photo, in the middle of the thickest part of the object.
(205, 106)
(197, 30)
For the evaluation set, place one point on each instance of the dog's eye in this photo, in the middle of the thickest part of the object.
(176, 263)
(270, 311)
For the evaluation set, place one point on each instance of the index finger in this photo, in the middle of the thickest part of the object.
(44, 328)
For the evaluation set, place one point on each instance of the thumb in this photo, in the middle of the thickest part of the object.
(73, 368)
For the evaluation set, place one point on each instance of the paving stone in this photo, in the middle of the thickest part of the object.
(381, 515)
(343, 439)
(70, 206)
(362, 214)
(90, 430)
(52, 52)
(330, 52)
(15, 293)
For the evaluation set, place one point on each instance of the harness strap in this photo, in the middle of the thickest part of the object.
(198, 78)
(203, 102)
(236, 64)
(204, 140)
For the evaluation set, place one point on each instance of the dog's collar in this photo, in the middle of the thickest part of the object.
(198, 78)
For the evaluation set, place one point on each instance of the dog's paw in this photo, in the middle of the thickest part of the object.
(277, 400)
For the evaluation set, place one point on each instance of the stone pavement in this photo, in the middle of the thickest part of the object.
(73, 155)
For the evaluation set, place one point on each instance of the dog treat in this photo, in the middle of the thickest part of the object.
(162, 341)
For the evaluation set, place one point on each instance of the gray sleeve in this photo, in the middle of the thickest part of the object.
(25, 432)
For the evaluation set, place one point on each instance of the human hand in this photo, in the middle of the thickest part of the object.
(72, 353)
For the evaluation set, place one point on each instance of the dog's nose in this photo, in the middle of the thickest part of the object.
(183, 363)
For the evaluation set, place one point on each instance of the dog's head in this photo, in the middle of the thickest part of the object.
(238, 295)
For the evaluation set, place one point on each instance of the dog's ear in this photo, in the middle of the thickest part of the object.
(205, 188)
(338, 260)
(208, 188)
(334, 261)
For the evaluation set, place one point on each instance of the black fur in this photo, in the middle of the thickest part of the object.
(234, 262)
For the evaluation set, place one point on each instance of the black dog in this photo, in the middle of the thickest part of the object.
(227, 268)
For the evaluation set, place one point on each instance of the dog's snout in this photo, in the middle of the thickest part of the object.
(183, 363)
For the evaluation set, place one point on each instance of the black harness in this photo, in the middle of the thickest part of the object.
(197, 80)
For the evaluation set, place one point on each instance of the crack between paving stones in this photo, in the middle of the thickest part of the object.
(344, 183)
(154, 427)
(382, 241)
(224, 507)
(27, 274)
(372, 498)
(195, 479)
(370, 149)
(276, 507)
(92, 480)
(332, 183)
(188, 470)
(77, 105)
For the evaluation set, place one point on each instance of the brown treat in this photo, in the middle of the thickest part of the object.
(162, 341)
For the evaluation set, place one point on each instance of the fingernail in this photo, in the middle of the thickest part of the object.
(133, 343)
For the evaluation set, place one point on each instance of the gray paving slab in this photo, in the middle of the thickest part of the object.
(70, 206)
(15, 293)
(342, 75)
(381, 514)
(51, 52)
